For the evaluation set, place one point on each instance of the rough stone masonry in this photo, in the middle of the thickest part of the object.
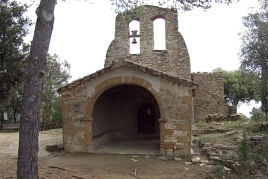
(148, 94)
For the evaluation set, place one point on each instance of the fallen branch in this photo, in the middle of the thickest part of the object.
(134, 174)
(50, 166)
(77, 177)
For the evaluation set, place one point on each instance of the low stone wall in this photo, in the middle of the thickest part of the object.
(209, 98)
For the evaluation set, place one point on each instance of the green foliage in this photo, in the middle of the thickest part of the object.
(56, 76)
(13, 103)
(13, 50)
(257, 114)
(237, 86)
(263, 151)
(218, 171)
(254, 51)
(244, 157)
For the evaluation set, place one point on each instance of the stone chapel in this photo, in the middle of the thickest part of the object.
(152, 93)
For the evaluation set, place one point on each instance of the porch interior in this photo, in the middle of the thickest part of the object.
(126, 121)
(135, 145)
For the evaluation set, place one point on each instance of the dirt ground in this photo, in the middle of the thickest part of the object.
(99, 166)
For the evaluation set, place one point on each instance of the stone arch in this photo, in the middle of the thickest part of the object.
(120, 80)
(158, 17)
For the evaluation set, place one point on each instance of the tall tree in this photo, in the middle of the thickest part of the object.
(33, 88)
(254, 50)
(13, 50)
(35, 72)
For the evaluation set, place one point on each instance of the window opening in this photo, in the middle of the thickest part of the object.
(159, 34)
(134, 40)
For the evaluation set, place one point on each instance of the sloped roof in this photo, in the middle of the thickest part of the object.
(131, 65)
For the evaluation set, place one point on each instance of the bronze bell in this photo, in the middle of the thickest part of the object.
(134, 41)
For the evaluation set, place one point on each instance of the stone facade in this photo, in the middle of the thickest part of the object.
(95, 109)
(149, 93)
(174, 60)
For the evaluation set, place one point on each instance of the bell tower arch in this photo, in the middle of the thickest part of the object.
(174, 60)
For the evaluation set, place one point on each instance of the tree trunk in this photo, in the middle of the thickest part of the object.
(32, 96)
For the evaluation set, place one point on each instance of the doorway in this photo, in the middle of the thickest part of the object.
(146, 119)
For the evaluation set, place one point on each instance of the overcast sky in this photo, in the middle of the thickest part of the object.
(83, 31)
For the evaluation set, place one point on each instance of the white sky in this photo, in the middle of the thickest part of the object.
(83, 31)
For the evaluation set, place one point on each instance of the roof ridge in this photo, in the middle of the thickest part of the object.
(129, 64)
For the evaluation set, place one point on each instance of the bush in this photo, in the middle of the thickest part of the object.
(257, 114)
(244, 158)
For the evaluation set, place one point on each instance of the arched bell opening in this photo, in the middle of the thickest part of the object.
(126, 111)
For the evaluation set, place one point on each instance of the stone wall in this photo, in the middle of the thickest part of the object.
(175, 137)
(174, 60)
(82, 131)
(209, 98)
(75, 128)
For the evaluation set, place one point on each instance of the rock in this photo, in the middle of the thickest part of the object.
(177, 159)
(192, 151)
(135, 156)
(187, 169)
(147, 156)
(226, 169)
(232, 132)
(188, 163)
(206, 144)
(195, 160)
(257, 138)
(134, 160)
(53, 148)
(164, 158)
(204, 161)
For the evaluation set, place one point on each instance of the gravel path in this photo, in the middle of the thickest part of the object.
(9, 142)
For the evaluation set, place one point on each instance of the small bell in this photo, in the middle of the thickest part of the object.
(134, 41)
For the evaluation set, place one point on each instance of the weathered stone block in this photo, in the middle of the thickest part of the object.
(83, 142)
(185, 115)
(118, 79)
(179, 147)
(65, 96)
(184, 139)
(186, 99)
(170, 152)
(88, 135)
(180, 133)
(162, 151)
(169, 126)
(183, 128)
(167, 145)
(170, 139)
